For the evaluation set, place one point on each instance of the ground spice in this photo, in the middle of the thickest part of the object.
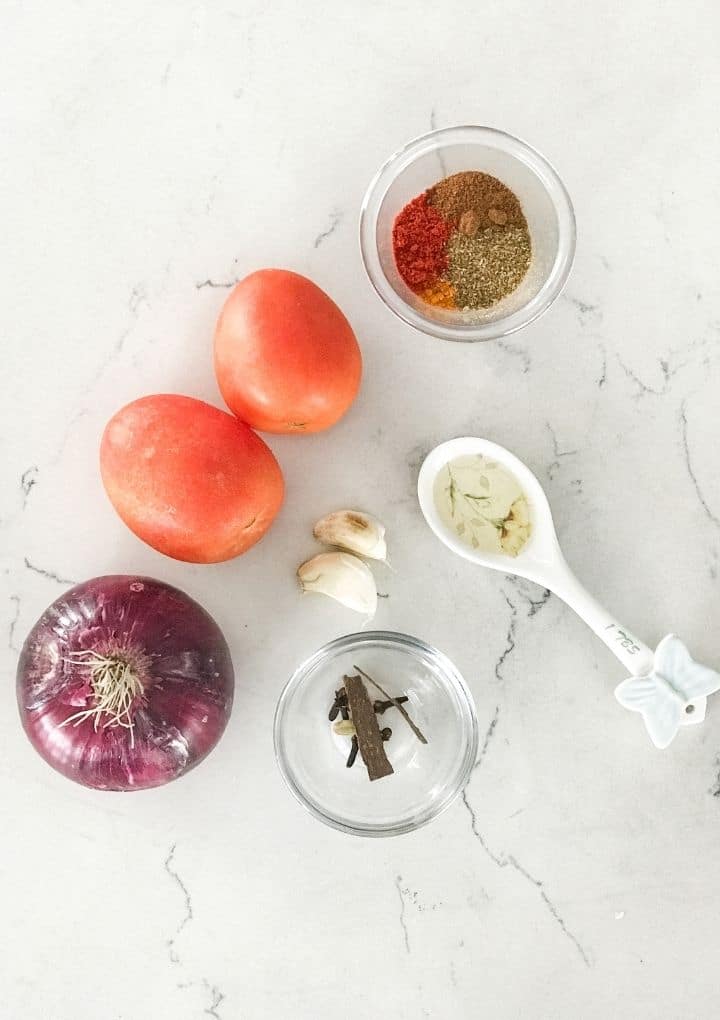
(464, 243)
(441, 294)
(420, 237)
(490, 201)
(485, 268)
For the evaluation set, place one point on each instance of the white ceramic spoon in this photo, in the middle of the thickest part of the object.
(667, 686)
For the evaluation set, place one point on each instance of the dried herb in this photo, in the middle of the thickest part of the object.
(396, 702)
(489, 265)
(370, 742)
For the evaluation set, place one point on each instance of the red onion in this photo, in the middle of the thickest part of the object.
(124, 683)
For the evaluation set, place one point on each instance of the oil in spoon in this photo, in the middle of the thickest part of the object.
(483, 504)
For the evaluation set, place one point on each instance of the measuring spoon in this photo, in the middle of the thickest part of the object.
(666, 686)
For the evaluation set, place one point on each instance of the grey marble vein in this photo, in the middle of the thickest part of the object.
(15, 599)
(28, 480)
(488, 737)
(336, 217)
(217, 998)
(534, 604)
(585, 310)
(403, 922)
(188, 915)
(138, 298)
(49, 574)
(505, 860)
(643, 389)
(691, 471)
(516, 351)
(509, 640)
(217, 284)
(554, 466)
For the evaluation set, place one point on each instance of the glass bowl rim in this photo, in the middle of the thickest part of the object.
(409, 643)
(556, 191)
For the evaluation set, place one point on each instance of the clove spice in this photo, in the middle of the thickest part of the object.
(359, 722)
(383, 706)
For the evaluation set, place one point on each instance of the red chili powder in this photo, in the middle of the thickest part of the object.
(420, 236)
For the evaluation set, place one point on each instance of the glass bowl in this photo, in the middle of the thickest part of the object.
(427, 777)
(545, 202)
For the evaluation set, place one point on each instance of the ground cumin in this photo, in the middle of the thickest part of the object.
(473, 201)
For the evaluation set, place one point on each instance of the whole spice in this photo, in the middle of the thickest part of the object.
(420, 236)
(346, 727)
(369, 738)
(383, 706)
(339, 705)
(396, 702)
(353, 752)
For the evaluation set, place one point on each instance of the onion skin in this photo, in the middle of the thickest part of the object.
(187, 676)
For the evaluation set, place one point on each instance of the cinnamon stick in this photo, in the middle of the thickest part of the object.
(398, 705)
(370, 740)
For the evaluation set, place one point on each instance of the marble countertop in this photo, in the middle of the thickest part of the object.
(153, 154)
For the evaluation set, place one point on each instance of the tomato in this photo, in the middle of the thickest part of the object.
(286, 358)
(189, 479)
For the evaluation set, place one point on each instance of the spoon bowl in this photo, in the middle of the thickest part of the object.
(541, 551)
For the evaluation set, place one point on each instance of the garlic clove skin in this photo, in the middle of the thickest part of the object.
(355, 531)
(343, 577)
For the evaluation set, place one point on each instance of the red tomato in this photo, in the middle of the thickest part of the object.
(286, 358)
(189, 479)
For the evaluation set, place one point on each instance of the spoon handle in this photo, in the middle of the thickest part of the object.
(634, 655)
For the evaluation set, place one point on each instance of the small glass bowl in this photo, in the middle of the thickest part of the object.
(427, 777)
(545, 202)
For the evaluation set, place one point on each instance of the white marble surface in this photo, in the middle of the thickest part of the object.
(152, 153)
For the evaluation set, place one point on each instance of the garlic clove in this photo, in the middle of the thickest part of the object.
(354, 530)
(343, 577)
